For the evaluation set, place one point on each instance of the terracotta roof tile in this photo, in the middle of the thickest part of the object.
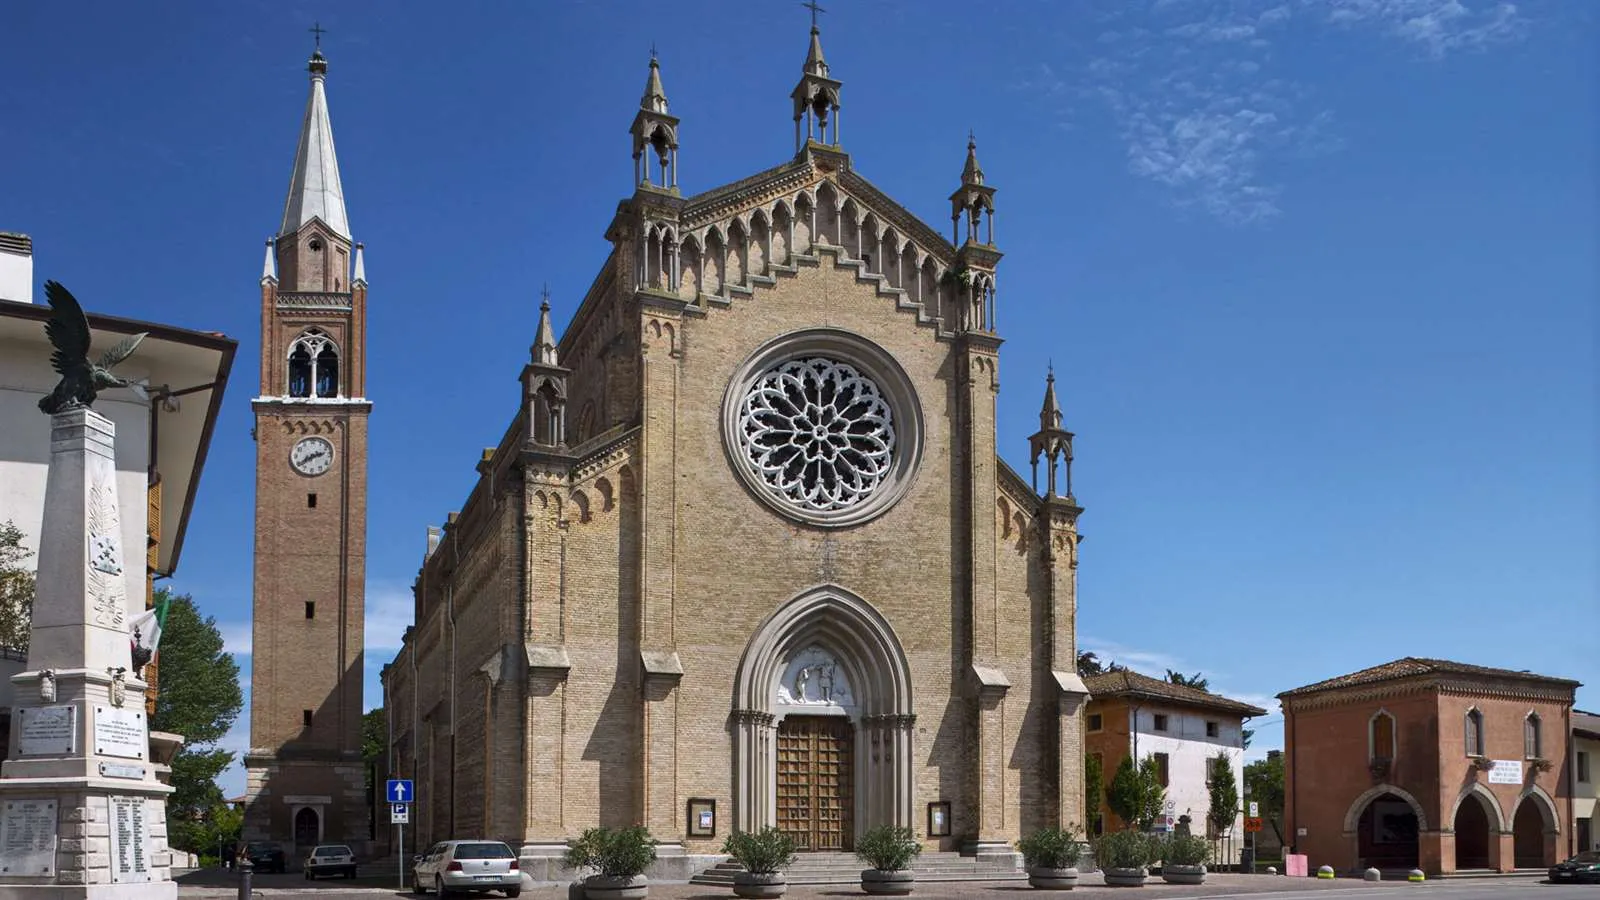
(1412, 666)
(1126, 683)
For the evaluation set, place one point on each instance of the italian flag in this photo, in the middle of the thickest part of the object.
(146, 631)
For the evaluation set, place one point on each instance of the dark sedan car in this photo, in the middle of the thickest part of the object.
(265, 856)
(1583, 867)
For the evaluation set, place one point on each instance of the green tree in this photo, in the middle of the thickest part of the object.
(1263, 779)
(374, 743)
(17, 585)
(218, 831)
(199, 698)
(1094, 782)
(1197, 681)
(1136, 794)
(1224, 795)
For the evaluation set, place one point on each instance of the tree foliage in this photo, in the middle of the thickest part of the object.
(17, 584)
(1094, 783)
(1089, 664)
(1197, 681)
(1224, 795)
(1264, 781)
(199, 699)
(374, 743)
(1136, 794)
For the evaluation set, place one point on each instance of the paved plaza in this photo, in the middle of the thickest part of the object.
(215, 886)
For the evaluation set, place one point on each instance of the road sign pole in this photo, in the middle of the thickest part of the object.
(400, 844)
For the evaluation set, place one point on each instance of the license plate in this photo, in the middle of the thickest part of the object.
(486, 878)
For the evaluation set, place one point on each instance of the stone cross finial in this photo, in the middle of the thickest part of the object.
(317, 29)
(812, 5)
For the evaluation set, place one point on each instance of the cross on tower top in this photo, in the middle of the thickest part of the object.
(815, 8)
(317, 29)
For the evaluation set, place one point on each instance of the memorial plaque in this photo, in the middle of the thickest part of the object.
(1506, 771)
(130, 841)
(28, 837)
(47, 730)
(120, 732)
(118, 770)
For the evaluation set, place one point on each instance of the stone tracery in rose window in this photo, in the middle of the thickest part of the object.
(817, 433)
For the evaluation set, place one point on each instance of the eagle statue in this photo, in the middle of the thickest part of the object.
(81, 380)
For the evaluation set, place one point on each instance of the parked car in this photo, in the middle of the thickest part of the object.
(452, 866)
(1583, 867)
(265, 856)
(330, 859)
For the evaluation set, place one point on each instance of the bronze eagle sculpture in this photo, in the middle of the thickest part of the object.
(81, 380)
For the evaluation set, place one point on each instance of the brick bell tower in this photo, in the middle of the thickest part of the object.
(304, 771)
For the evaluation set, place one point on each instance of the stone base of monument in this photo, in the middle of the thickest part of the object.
(82, 814)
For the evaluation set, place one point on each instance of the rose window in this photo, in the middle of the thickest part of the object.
(817, 433)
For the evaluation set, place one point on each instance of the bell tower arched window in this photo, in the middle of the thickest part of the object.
(313, 365)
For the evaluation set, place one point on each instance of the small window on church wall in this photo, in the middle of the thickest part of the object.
(1474, 733)
(1382, 736)
(1531, 737)
(311, 609)
(305, 717)
(311, 501)
(300, 373)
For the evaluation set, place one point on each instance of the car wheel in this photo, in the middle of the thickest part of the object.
(438, 887)
(513, 892)
(416, 883)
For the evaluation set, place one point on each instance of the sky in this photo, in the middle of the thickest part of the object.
(1318, 278)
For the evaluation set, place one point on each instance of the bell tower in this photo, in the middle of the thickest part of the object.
(304, 770)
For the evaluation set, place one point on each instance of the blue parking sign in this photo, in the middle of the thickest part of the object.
(400, 790)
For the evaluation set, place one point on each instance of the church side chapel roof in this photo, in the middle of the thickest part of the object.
(1124, 683)
(1414, 666)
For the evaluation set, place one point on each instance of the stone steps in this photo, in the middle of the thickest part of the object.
(844, 868)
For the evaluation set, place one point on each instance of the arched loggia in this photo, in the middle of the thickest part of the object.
(829, 622)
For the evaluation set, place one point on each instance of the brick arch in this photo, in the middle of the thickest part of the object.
(1352, 816)
(1497, 815)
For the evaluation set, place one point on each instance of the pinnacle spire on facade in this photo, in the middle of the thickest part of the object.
(315, 191)
(269, 269)
(1052, 442)
(655, 131)
(655, 96)
(816, 97)
(972, 173)
(1050, 414)
(816, 63)
(544, 342)
(973, 201)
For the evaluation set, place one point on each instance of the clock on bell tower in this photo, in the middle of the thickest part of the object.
(304, 770)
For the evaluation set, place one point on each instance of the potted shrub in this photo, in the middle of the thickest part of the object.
(888, 850)
(1051, 855)
(1122, 857)
(619, 856)
(764, 855)
(1183, 858)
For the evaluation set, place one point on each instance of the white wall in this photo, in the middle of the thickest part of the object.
(1586, 794)
(1189, 753)
(25, 377)
(16, 277)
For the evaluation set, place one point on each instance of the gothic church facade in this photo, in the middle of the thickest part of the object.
(746, 554)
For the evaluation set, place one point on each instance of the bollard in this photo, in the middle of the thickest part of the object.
(1272, 870)
(245, 868)
(1325, 872)
(1372, 875)
(1416, 876)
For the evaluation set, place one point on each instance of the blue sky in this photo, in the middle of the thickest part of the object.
(1318, 278)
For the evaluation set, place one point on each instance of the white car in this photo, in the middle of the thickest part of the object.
(456, 866)
(330, 859)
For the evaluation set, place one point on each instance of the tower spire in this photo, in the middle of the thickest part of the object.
(544, 342)
(816, 97)
(1052, 441)
(655, 130)
(973, 199)
(315, 191)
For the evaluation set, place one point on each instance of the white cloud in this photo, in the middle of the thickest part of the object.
(1192, 92)
(236, 637)
(390, 608)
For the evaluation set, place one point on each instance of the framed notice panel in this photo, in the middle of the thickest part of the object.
(702, 817)
(939, 818)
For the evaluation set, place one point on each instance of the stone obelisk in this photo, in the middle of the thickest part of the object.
(81, 812)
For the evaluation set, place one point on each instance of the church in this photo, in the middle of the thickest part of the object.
(746, 554)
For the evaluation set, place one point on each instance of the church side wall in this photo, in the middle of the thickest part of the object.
(1022, 636)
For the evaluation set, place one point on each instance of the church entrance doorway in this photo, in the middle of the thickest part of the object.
(815, 785)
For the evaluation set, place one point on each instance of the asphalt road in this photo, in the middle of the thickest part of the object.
(215, 886)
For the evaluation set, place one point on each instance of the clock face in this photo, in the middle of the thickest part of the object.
(311, 456)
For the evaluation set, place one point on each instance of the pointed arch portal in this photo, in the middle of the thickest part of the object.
(825, 653)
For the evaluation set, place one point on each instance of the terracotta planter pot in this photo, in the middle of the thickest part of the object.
(1183, 874)
(1124, 877)
(759, 884)
(878, 881)
(1047, 879)
(606, 887)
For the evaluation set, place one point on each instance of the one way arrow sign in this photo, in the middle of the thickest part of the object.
(400, 790)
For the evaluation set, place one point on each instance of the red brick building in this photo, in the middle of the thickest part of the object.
(1430, 764)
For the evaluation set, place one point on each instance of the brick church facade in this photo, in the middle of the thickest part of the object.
(746, 547)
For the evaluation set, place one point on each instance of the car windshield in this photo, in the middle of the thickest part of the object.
(483, 851)
(1587, 856)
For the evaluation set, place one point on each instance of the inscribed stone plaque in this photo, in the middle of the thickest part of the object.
(120, 732)
(28, 837)
(1506, 771)
(118, 770)
(130, 841)
(47, 730)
